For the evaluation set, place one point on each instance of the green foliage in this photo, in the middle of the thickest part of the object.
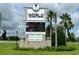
(60, 48)
(60, 37)
(68, 24)
(9, 49)
(50, 15)
(42, 49)
(46, 48)
(72, 37)
(48, 31)
(4, 35)
(23, 49)
(13, 38)
(53, 39)
(77, 39)
(65, 48)
(66, 20)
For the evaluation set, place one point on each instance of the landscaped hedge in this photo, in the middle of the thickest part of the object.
(12, 38)
(65, 48)
(60, 48)
(60, 37)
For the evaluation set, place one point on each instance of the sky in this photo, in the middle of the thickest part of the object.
(12, 15)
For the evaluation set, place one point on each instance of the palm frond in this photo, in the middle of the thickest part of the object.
(61, 22)
(51, 14)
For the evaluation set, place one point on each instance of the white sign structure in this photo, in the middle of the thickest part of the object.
(33, 37)
(36, 7)
(35, 23)
(32, 15)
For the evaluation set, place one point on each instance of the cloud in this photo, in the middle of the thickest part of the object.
(60, 8)
(75, 17)
(77, 33)
(12, 15)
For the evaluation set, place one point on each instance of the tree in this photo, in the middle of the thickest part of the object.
(70, 26)
(77, 39)
(60, 36)
(50, 16)
(67, 23)
(4, 35)
(72, 37)
(48, 31)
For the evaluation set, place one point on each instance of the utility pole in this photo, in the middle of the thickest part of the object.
(56, 43)
(17, 38)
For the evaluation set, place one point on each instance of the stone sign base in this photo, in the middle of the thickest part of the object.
(24, 43)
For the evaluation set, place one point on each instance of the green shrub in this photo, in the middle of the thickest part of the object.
(13, 38)
(65, 48)
(60, 48)
(46, 49)
(71, 37)
(42, 49)
(24, 49)
(48, 31)
(60, 37)
(49, 48)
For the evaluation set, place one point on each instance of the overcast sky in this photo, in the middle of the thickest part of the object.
(12, 15)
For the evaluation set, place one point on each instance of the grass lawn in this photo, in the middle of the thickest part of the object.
(9, 49)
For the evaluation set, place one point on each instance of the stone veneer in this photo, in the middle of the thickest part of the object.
(24, 43)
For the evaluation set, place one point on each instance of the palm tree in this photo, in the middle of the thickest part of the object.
(67, 23)
(50, 16)
(70, 26)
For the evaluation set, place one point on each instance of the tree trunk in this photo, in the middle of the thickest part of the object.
(56, 35)
(56, 43)
(65, 35)
(51, 31)
(68, 34)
